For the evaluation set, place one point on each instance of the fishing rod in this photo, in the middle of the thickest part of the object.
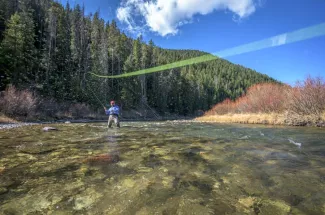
(94, 94)
(85, 81)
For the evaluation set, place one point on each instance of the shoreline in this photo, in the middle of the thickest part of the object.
(12, 123)
(264, 119)
(261, 119)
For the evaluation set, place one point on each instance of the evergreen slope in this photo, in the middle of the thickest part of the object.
(51, 48)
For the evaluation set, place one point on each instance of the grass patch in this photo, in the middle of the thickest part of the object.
(5, 119)
(250, 118)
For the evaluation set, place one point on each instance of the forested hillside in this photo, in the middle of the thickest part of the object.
(50, 49)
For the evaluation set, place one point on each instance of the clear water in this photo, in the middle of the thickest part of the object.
(162, 168)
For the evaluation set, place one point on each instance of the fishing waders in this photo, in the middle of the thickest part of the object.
(115, 119)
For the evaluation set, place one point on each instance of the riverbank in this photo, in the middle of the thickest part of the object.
(274, 104)
(263, 118)
(8, 123)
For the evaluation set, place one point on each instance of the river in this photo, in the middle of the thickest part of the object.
(162, 168)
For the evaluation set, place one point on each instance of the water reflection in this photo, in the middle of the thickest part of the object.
(162, 168)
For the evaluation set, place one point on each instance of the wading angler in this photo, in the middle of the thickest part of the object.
(113, 112)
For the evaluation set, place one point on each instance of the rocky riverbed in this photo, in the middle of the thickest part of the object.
(162, 168)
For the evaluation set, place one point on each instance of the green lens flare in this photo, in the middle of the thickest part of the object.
(279, 40)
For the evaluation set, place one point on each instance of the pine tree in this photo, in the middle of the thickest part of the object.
(17, 48)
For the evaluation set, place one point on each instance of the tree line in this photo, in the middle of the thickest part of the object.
(50, 49)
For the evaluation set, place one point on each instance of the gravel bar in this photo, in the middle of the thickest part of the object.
(15, 125)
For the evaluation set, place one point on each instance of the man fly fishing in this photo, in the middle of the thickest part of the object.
(113, 112)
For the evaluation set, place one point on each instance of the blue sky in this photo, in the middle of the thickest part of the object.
(223, 24)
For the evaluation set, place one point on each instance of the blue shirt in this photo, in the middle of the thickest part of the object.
(114, 110)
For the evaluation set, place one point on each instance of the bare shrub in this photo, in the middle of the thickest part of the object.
(53, 109)
(308, 97)
(49, 108)
(14, 102)
(25, 103)
(264, 98)
(80, 110)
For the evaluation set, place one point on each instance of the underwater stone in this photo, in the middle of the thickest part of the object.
(216, 185)
(38, 150)
(102, 158)
(129, 183)
(74, 186)
(277, 207)
(16, 160)
(82, 170)
(123, 163)
(247, 204)
(3, 190)
(313, 204)
(143, 211)
(161, 151)
(2, 169)
(186, 207)
(49, 129)
(144, 169)
(168, 181)
(167, 157)
(225, 180)
(86, 199)
(271, 162)
(134, 147)
(207, 156)
(163, 169)
(29, 204)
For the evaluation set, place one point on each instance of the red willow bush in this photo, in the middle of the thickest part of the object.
(227, 106)
(260, 98)
(308, 97)
(263, 98)
(304, 103)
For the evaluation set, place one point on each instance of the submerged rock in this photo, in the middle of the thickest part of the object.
(270, 207)
(128, 183)
(123, 163)
(106, 158)
(31, 203)
(49, 129)
(3, 190)
(161, 151)
(14, 160)
(314, 204)
(192, 206)
(86, 199)
(2, 169)
(143, 169)
(168, 181)
(246, 204)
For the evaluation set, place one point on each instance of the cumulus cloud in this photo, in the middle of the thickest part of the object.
(166, 16)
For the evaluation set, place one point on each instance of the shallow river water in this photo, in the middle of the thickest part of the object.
(162, 168)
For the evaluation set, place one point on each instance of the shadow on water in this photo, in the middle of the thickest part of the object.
(162, 168)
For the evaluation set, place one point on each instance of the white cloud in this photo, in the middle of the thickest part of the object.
(166, 16)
